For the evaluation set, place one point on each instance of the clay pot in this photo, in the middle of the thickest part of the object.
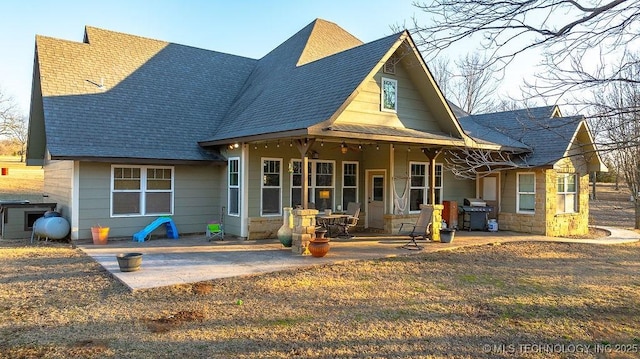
(319, 246)
(285, 233)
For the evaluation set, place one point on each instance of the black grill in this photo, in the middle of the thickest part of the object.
(475, 217)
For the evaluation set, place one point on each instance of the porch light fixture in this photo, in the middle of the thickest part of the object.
(343, 148)
(377, 146)
(234, 146)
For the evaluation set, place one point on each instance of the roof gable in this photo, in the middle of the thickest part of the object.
(326, 39)
(281, 96)
(547, 137)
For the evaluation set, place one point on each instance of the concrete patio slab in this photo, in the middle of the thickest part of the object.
(193, 259)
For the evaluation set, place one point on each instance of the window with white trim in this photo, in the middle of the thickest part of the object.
(389, 95)
(141, 190)
(234, 186)
(320, 181)
(271, 188)
(419, 185)
(349, 183)
(526, 198)
(567, 192)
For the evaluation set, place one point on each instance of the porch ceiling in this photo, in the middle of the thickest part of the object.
(393, 134)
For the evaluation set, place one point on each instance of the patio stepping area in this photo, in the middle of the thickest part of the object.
(193, 259)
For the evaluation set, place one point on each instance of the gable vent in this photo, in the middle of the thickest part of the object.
(390, 66)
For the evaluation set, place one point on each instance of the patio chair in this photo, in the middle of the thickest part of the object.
(421, 229)
(215, 231)
(350, 221)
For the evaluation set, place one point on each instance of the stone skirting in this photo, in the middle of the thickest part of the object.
(264, 227)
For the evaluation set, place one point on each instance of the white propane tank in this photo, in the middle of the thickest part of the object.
(493, 225)
(51, 227)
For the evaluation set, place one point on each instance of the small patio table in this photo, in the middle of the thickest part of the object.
(329, 220)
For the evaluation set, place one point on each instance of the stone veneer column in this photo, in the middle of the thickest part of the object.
(304, 229)
(436, 223)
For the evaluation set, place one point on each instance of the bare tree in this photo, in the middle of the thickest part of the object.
(7, 112)
(17, 132)
(566, 32)
(470, 84)
(620, 129)
(441, 70)
(12, 125)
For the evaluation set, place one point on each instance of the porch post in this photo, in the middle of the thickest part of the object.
(432, 153)
(303, 148)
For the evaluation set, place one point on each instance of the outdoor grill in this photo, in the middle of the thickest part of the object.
(474, 214)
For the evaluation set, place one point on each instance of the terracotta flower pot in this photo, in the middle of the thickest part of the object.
(319, 246)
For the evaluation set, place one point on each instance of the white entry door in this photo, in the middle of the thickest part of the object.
(375, 200)
(490, 194)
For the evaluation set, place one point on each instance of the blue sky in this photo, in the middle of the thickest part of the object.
(248, 28)
(243, 27)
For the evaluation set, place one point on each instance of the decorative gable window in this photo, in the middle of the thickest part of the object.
(234, 186)
(526, 199)
(141, 190)
(567, 189)
(389, 95)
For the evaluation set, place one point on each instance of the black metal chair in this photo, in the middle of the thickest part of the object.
(353, 214)
(421, 229)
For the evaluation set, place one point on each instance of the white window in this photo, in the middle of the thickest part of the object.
(349, 183)
(234, 186)
(271, 201)
(567, 190)
(141, 190)
(320, 181)
(526, 199)
(419, 185)
(389, 95)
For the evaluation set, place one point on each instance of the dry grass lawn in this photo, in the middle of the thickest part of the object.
(22, 182)
(531, 300)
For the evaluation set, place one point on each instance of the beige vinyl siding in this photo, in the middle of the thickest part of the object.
(197, 193)
(58, 185)
(413, 111)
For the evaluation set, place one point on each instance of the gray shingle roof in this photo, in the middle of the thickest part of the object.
(280, 96)
(547, 137)
(158, 109)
